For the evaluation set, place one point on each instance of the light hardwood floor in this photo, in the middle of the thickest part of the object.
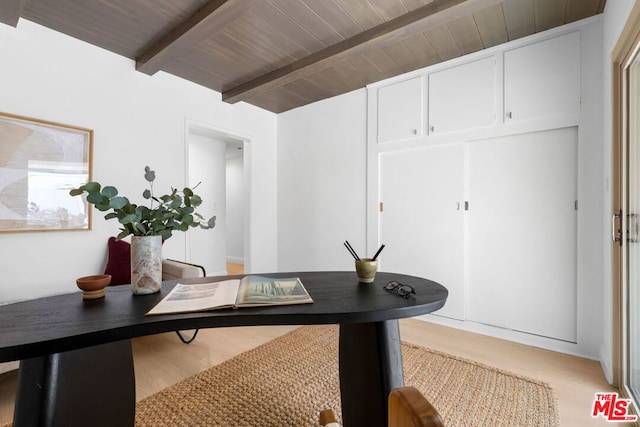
(162, 360)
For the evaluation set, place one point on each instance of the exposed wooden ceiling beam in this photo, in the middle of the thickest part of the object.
(211, 17)
(601, 6)
(431, 15)
(10, 11)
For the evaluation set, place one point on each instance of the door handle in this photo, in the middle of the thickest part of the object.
(616, 232)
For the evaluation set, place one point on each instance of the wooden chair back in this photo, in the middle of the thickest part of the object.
(409, 408)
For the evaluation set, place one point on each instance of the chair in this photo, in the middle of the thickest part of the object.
(175, 270)
(407, 408)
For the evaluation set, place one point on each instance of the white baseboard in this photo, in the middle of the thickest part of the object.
(509, 335)
(605, 364)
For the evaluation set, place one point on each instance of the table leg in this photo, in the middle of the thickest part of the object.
(91, 386)
(370, 367)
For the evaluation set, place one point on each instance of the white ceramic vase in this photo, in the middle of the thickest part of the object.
(146, 264)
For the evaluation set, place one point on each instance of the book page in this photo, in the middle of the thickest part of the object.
(260, 290)
(198, 297)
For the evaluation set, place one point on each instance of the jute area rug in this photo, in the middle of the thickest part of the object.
(289, 380)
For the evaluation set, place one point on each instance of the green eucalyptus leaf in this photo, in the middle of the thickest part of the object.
(92, 187)
(130, 208)
(111, 215)
(122, 234)
(166, 234)
(187, 192)
(146, 194)
(128, 219)
(118, 202)
(109, 191)
(94, 198)
(77, 191)
(149, 175)
(141, 228)
(176, 203)
(196, 200)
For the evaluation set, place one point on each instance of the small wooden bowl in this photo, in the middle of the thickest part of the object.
(93, 286)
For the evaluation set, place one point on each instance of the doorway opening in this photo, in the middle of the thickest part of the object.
(217, 167)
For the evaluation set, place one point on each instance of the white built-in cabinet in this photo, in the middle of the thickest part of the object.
(400, 111)
(423, 223)
(542, 79)
(522, 224)
(463, 97)
(491, 215)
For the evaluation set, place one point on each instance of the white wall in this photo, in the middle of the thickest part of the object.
(138, 120)
(235, 209)
(322, 183)
(615, 16)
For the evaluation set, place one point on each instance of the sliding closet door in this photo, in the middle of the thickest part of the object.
(522, 232)
(422, 223)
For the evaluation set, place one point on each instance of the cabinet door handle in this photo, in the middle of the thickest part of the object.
(616, 233)
(432, 128)
(414, 131)
(509, 115)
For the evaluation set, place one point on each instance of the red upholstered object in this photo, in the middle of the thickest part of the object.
(119, 262)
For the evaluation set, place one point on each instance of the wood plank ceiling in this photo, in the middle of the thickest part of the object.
(282, 54)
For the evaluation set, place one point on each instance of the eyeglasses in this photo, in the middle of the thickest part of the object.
(404, 291)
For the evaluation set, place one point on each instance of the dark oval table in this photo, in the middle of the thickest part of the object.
(77, 366)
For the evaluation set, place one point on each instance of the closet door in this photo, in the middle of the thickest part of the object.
(522, 232)
(422, 223)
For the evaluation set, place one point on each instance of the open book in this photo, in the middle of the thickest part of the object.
(250, 291)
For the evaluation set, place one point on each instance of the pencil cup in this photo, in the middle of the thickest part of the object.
(366, 270)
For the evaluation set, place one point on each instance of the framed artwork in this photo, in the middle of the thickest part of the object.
(40, 162)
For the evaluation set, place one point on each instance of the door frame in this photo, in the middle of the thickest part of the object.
(625, 49)
(226, 134)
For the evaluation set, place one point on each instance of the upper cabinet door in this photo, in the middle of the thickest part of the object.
(400, 111)
(463, 97)
(542, 79)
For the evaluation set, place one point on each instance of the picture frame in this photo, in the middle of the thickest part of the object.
(40, 161)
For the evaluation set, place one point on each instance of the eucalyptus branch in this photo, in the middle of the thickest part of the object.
(175, 211)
